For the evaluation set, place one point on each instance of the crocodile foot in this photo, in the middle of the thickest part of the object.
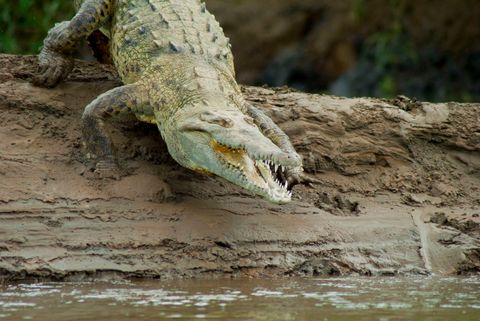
(53, 68)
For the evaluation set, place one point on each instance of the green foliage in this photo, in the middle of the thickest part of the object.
(391, 63)
(24, 23)
(391, 47)
(387, 87)
(359, 10)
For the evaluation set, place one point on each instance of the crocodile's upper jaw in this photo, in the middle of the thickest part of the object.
(261, 176)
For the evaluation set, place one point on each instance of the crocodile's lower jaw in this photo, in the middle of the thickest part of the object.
(261, 176)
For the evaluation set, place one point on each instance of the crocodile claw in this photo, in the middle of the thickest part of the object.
(53, 68)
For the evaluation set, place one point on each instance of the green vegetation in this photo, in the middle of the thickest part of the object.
(24, 23)
(390, 59)
(392, 63)
(389, 48)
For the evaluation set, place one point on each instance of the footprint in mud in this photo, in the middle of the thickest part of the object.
(337, 205)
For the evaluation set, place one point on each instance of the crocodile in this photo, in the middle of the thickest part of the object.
(177, 70)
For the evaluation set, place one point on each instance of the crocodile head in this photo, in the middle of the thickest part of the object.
(230, 145)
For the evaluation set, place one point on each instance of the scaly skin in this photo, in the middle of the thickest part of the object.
(178, 72)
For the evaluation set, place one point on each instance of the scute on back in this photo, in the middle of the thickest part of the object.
(142, 30)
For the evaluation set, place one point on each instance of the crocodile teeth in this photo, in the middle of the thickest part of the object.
(272, 186)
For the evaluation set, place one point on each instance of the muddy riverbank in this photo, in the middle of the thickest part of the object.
(400, 192)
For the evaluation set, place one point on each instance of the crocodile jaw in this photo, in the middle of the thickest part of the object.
(227, 144)
(259, 174)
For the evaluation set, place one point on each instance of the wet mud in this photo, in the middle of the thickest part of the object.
(400, 191)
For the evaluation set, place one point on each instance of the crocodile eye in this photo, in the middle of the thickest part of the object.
(217, 120)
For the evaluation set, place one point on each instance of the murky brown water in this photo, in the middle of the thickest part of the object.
(383, 299)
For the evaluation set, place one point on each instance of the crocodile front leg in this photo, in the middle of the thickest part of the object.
(55, 58)
(116, 102)
(295, 175)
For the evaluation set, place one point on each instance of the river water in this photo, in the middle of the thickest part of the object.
(345, 299)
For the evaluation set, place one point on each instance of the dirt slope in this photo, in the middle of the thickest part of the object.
(400, 194)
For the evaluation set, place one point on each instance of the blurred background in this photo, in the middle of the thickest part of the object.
(427, 49)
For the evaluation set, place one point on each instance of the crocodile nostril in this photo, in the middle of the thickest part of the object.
(217, 120)
(224, 122)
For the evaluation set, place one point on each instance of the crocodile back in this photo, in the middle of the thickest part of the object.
(142, 30)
